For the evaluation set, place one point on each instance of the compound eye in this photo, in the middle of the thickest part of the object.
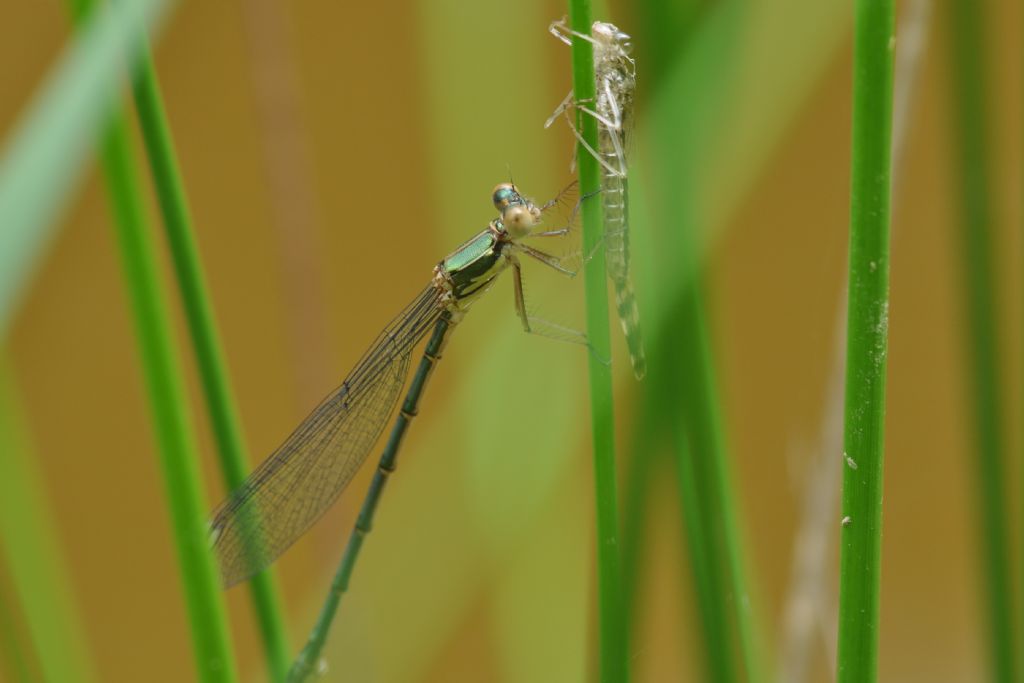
(503, 195)
(518, 221)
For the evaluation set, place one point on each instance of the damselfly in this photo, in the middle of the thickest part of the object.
(299, 481)
(615, 76)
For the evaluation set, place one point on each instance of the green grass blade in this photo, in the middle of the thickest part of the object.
(45, 155)
(704, 153)
(867, 341)
(701, 416)
(220, 405)
(976, 221)
(37, 174)
(208, 624)
(14, 655)
(34, 561)
(210, 642)
(175, 442)
(663, 25)
(706, 494)
(694, 92)
(640, 476)
(612, 631)
(705, 565)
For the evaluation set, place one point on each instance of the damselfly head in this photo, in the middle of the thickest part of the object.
(518, 214)
(504, 195)
(609, 34)
(520, 219)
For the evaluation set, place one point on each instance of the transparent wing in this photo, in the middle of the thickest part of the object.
(563, 258)
(293, 487)
(561, 219)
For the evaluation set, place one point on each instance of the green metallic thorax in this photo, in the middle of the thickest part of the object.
(473, 266)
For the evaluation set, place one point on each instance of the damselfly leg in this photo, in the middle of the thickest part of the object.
(518, 212)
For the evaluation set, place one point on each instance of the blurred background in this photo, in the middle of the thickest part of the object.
(334, 152)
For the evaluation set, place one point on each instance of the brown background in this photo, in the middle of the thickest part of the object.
(324, 191)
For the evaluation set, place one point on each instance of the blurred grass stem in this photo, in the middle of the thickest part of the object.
(175, 442)
(681, 125)
(29, 546)
(46, 151)
(969, 97)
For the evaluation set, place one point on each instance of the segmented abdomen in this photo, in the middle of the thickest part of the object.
(614, 200)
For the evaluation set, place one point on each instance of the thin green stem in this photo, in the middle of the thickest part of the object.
(220, 405)
(176, 444)
(612, 631)
(969, 106)
(867, 343)
(170, 416)
(29, 545)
